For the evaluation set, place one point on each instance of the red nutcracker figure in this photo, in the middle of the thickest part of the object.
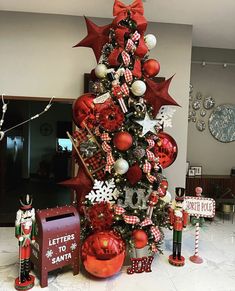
(25, 232)
(178, 219)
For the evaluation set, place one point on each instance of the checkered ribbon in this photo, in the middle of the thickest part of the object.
(126, 58)
(105, 137)
(107, 148)
(135, 36)
(131, 219)
(156, 233)
(119, 210)
(147, 221)
(130, 46)
(125, 89)
(128, 76)
(150, 155)
(147, 167)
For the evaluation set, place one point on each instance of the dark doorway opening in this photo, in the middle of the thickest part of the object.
(35, 157)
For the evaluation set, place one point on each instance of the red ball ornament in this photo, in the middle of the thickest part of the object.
(151, 68)
(166, 149)
(103, 254)
(140, 238)
(83, 109)
(122, 140)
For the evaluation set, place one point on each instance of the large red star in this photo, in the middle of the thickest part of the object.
(96, 38)
(157, 94)
(82, 184)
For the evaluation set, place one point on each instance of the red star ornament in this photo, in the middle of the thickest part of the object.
(82, 184)
(96, 38)
(157, 94)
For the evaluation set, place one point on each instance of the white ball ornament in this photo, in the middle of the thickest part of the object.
(101, 71)
(121, 166)
(138, 88)
(150, 41)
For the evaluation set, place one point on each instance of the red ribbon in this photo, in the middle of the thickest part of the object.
(135, 7)
(136, 11)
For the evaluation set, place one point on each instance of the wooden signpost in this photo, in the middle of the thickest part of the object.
(199, 207)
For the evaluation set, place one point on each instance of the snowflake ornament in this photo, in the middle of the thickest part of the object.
(103, 191)
(165, 115)
(73, 246)
(49, 254)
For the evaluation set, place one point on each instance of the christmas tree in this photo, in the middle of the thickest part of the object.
(120, 144)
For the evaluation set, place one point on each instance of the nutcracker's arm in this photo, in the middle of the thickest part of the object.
(171, 216)
(185, 218)
(33, 233)
(18, 224)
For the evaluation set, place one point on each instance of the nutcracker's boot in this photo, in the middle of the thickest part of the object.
(22, 271)
(179, 251)
(27, 269)
(174, 249)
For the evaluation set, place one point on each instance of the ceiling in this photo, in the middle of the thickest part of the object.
(213, 21)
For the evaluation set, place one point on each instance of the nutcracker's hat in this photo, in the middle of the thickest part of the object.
(179, 194)
(26, 202)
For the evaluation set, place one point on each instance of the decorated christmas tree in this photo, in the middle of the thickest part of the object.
(121, 147)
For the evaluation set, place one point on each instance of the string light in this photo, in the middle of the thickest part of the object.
(4, 109)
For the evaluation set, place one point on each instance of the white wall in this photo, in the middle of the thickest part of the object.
(216, 158)
(37, 59)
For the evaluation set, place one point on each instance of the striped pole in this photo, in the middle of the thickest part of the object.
(196, 258)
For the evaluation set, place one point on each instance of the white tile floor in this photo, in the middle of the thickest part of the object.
(217, 273)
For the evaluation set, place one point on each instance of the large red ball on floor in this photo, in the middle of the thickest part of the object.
(151, 68)
(122, 140)
(165, 149)
(103, 254)
(140, 238)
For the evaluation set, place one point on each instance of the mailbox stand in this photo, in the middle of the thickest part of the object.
(57, 241)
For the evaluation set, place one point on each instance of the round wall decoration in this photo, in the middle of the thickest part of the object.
(46, 129)
(222, 123)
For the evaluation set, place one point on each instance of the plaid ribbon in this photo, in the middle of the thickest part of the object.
(128, 76)
(118, 93)
(135, 36)
(147, 167)
(131, 219)
(156, 233)
(150, 155)
(130, 46)
(126, 58)
(125, 89)
(105, 137)
(147, 221)
(107, 148)
(119, 210)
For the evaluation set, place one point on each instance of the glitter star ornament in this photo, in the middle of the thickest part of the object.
(148, 124)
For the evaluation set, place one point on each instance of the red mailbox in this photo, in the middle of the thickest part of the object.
(57, 241)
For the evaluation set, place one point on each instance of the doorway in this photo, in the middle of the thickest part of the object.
(35, 157)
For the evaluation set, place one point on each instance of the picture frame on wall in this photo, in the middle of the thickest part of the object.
(197, 170)
(191, 172)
